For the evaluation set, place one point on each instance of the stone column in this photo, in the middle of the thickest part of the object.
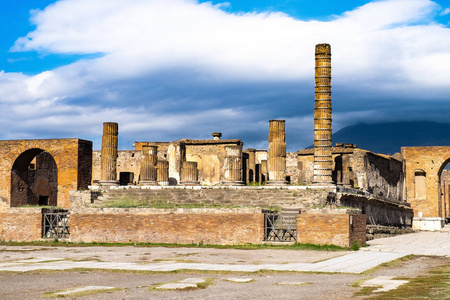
(176, 154)
(263, 171)
(189, 173)
(233, 165)
(109, 154)
(217, 135)
(322, 117)
(277, 153)
(251, 165)
(162, 172)
(148, 165)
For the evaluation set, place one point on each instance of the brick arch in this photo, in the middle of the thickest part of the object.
(36, 186)
(73, 158)
(432, 161)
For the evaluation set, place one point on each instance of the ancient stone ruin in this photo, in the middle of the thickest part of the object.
(322, 195)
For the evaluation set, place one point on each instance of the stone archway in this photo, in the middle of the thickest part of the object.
(70, 167)
(34, 179)
(423, 171)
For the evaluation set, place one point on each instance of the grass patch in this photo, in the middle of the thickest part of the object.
(79, 294)
(434, 285)
(160, 203)
(296, 246)
(389, 264)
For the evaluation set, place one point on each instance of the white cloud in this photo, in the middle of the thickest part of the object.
(445, 12)
(377, 48)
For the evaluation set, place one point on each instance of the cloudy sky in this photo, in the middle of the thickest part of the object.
(171, 69)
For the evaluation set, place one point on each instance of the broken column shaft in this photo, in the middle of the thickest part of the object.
(322, 117)
(277, 153)
(162, 172)
(148, 165)
(189, 173)
(251, 166)
(109, 154)
(233, 165)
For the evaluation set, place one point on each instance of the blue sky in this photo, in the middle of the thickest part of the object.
(171, 69)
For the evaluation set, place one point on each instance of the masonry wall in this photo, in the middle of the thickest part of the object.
(21, 224)
(65, 152)
(167, 226)
(379, 211)
(428, 162)
(340, 229)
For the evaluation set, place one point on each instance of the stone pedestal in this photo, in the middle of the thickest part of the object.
(109, 154)
(233, 165)
(189, 173)
(277, 153)
(162, 170)
(322, 117)
(148, 165)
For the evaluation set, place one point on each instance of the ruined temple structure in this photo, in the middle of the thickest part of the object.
(331, 195)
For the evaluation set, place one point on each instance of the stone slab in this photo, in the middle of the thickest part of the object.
(85, 289)
(387, 283)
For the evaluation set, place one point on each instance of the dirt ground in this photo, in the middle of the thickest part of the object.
(33, 285)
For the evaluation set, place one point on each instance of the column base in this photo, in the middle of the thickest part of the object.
(148, 183)
(231, 183)
(108, 182)
(323, 184)
(163, 183)
(277, 182)
(195, 183)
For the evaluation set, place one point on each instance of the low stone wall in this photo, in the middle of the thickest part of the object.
(337, 227)
(180, 226)
(379, 211)
(21, 224)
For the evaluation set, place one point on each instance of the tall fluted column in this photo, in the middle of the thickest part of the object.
(322, 117)
(109, 154)
(148, 165)
(162, 172)
(189, 173)
(277, 153)
(233, 165)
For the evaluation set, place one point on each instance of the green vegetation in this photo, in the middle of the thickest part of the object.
(434, 285)
(127, 202)
(255, 184)
(296, 246)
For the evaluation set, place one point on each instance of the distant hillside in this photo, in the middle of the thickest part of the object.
(388, 138)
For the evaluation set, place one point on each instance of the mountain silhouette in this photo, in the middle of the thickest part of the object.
(388, 138)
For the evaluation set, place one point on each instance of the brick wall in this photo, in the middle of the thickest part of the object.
(21, 224)
(329, 228)
(166, 226)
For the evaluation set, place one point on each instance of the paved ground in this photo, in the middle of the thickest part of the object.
(142, 272)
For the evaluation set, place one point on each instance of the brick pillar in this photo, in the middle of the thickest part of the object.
(251, 166)
(109, 154)
(162, 172)
(322, 117)
(277, 153)
(233, 165)
(189, 173)
(148, 165)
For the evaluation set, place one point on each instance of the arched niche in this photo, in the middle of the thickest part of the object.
(34, 179)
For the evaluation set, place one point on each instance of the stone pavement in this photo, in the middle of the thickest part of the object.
(421, 243)
(379, 251)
